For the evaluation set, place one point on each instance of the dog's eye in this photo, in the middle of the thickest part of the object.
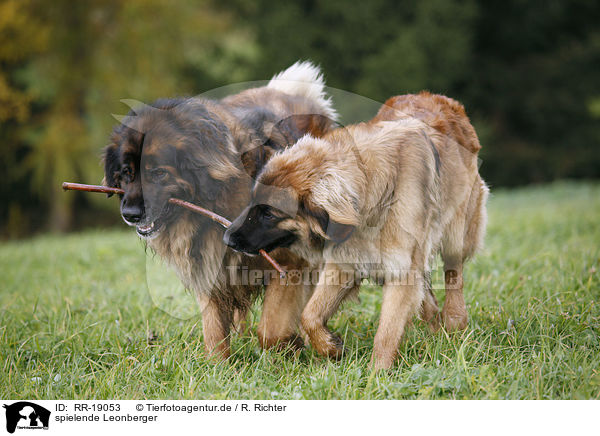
(158, 174)
(268, 215)
(127, 174)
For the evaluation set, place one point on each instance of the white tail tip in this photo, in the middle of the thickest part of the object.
(305, 79)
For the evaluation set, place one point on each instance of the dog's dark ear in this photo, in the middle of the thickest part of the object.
(330, 229)
(253, 160)
(279, 135)
(112, 166)
(319, 214)
(339, 232)
(294, 127)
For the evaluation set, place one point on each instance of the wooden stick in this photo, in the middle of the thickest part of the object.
(191, 206)
(91, 188)
(182, 203)
(225, 223)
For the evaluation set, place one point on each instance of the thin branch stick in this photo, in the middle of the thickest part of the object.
(191, 206)
(225, 223)
(182, 203)
(91, 188)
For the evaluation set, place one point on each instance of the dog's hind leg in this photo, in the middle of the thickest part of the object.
(462, 239)
(454, 312)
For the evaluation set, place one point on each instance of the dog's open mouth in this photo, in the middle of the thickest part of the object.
(247, 253)
(149, 230)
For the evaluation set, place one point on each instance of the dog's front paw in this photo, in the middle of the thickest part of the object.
(334, 347)
(454, 320)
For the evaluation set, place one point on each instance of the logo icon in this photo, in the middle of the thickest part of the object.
(26, 415)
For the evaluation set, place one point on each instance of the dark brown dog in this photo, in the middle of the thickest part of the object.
(377, 200)
(207, 152)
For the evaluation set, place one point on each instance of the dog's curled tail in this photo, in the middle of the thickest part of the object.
(305, 79)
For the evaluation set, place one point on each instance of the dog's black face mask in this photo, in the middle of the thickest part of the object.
(122, 160)
(258, 227)
(122, 170)
(167, 153)
(148, 181)
(276, 218)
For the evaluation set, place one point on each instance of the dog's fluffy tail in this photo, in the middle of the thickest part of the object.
(305, 79)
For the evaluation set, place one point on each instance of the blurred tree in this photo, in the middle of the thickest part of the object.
(21, 37)
(535, 71)
(527, 72)
(95, 53)
(428, 52)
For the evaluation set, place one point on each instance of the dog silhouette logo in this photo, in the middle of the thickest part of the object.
(26, 415)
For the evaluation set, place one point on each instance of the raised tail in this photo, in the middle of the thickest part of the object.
(305, 79)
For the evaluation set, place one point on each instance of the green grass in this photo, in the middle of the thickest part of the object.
(77, 321)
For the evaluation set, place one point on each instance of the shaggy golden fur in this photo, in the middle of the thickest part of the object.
(377, 197)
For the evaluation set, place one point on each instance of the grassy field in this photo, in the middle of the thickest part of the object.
(77, 321)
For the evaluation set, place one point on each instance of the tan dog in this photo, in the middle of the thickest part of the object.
(379, 199)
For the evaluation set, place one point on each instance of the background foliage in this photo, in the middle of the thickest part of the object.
(526, 71)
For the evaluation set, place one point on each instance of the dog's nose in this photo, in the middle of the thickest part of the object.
(132, 214)
(227, 239)
(233, 240)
